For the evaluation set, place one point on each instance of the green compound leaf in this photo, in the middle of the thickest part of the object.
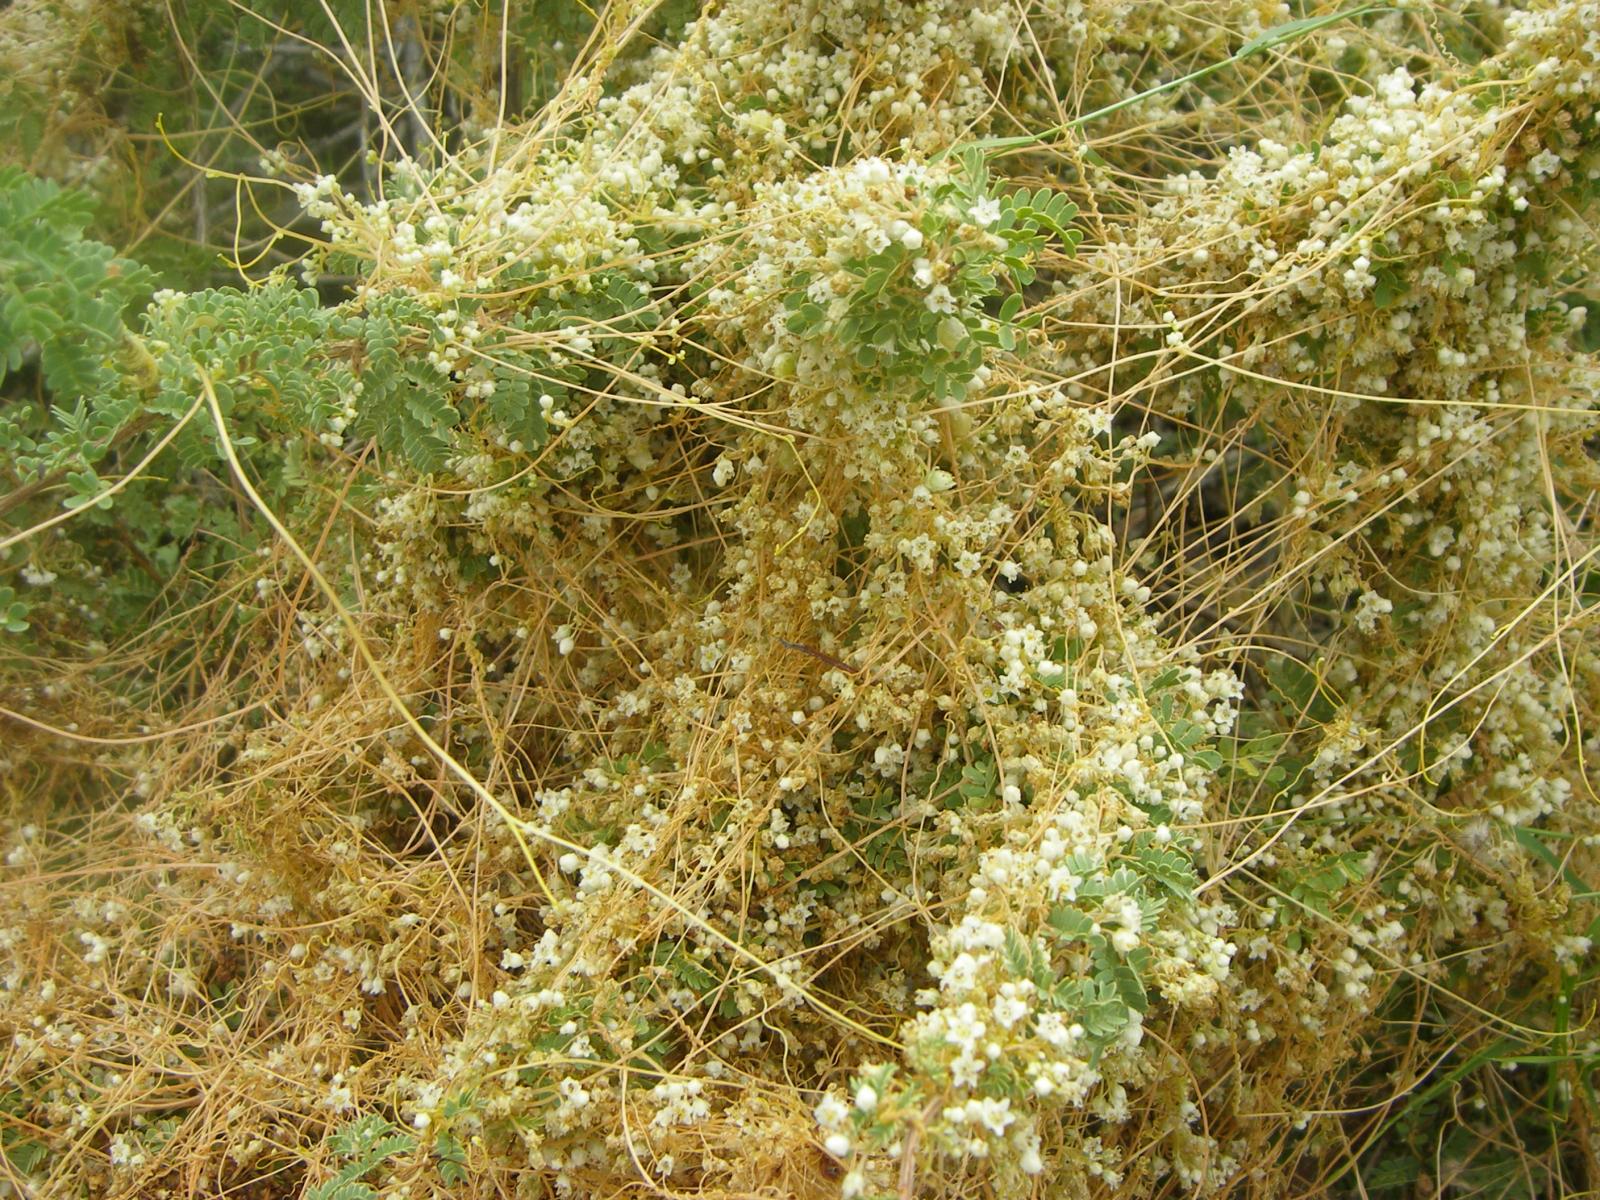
(1169, 867)
(368, 1142)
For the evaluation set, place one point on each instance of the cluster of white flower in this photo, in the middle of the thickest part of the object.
(440, 242)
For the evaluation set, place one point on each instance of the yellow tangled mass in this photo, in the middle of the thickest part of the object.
(862, 599)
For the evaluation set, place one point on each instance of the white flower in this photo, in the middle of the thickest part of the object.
(831, 1112)
(985, 212)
